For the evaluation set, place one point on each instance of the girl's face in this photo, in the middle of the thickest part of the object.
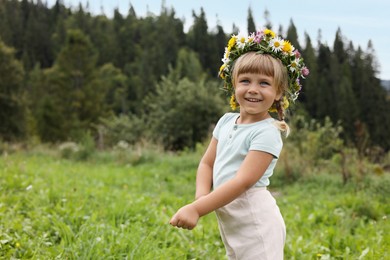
(255, 93)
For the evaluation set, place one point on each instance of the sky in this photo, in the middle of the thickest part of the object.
(359, 20)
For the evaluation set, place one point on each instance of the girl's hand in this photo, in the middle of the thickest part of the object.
(186, 217)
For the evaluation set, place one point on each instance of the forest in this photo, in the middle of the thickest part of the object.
(68, 75)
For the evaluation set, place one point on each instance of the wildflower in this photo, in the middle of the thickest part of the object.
(233, 103)
(287, 47)
(268, 32)
(232, 42)
(297, 54)
(222, 67)
(258, 37)
(276, 44)
(305, 71)
(294, 65)
(286, 103)
(242, 39)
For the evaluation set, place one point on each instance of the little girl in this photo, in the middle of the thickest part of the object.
(261, 73)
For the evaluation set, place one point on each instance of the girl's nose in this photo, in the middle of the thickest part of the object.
(253, 90)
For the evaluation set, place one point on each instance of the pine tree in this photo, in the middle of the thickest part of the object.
(310, 90)
(76, 91)
(292, 35)
(12, 104)
(115, 83)
(187, 66)
(345, 101)
(325, 93)
(251, 22)
(376, 103)
(267, 23)
(198, 40)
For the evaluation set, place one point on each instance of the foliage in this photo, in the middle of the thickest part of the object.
(315, 140)
(127, 128)
(181, 113)
(12, 103)
(101, 209)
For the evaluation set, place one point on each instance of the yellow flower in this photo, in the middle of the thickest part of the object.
(17, 244)
(231, 42)
(287, 47)
(233, 103)
(272, 109)
(286, 103)
(221, 72)
(269, 32)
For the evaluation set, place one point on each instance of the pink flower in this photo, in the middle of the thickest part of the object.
(258, 37)
(305, 71)
(297, 54)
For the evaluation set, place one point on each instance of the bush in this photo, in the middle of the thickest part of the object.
(321, 148)
(127, 128)
(82, 151)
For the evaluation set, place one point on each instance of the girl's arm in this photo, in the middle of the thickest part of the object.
(204, 176)
(251, 170)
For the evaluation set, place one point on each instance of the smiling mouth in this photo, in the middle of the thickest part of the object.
(252, 99)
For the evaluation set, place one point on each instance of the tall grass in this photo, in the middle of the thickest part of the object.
(117, 206)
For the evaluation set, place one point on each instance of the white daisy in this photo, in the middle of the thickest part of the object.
(294, 65)
(241, 40)
(276, 44)
(225, 58)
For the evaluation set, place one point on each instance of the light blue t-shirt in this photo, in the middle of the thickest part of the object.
(236, 140)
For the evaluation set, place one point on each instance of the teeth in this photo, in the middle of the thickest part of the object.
(253, 99)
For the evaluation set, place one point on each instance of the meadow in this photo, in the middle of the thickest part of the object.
(117, 205)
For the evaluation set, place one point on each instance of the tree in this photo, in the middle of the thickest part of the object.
(345, 101)
(199, 40)
(187, 66)
(115, 83)
(184, 106)
(325, 93)
(12, 105)
(292, 35)
(75, 91)
(310, 85)
(267, 23)
(251, 22)
(181, 113)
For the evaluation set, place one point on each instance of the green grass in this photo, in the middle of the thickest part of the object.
(53, 208)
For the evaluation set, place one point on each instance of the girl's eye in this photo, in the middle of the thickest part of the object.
(244, 81)
(264, 83)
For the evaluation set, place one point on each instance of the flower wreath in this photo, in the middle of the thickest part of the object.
(267, 42)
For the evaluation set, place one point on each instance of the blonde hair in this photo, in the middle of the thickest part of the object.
(252, 62)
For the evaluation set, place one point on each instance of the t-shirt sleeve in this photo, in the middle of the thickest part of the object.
(268, 140)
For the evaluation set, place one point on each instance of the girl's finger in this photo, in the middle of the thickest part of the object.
(173, 220)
